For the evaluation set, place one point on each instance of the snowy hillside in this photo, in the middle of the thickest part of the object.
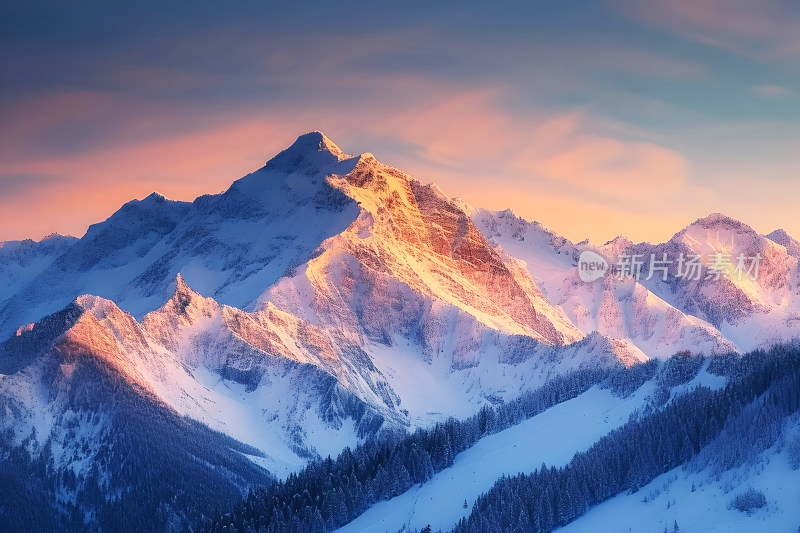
(702, 501)
(552, 437)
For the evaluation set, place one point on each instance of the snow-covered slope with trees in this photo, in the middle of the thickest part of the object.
(552, 437)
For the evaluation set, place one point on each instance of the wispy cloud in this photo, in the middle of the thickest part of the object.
(466, 140)
(772, 91)
(534, 108)
(21, 183)
(763, 30)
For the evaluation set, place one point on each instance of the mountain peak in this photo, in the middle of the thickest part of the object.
(153, 202)
(155, 196)
(96, 305)
(619, 240)
(185, 301)
(54, 236)
(782, 237)
(309, 153)
(617, 245)
(320, 142)
(717, 220)
(183, 293)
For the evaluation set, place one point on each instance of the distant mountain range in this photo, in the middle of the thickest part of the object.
(320, 301)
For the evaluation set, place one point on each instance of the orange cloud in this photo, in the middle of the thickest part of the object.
(94, 184)
(468, 142)
(561, 149)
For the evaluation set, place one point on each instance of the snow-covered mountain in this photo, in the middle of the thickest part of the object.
(340, 297)
(403, 305)
(663, 317)
(326, 299)
(751, 308)
(87, 439)
(21, 261)
(622, 309)
(230, 246)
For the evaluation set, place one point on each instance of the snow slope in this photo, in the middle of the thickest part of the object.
(670, 498)
(21, 261)
(290, 389)
(551, 437)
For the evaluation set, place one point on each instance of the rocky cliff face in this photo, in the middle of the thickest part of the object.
(410, 245)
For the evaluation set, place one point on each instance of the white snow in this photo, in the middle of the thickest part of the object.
(670, 498)
(552, 437)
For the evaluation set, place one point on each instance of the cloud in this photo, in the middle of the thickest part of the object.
(494, 122)
(765, 30)
(14, 184)
(772, 91)
(95, 183)
(467, 140)
(565, 150)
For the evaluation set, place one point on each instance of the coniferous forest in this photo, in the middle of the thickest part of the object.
(633, 455)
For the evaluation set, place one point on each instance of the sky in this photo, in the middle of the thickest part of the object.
(631, 117)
